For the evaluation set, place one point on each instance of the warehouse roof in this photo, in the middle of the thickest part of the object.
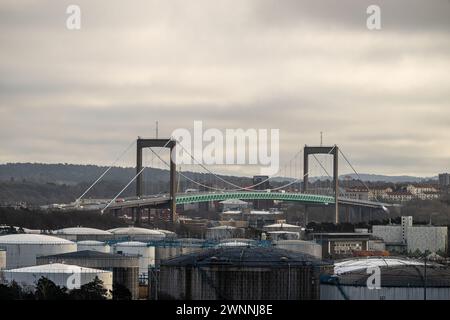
(245, 256)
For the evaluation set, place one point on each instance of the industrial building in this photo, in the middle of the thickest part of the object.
(400, 279)
(337, 244)
(137, 234)
(409, 238)
(22, 249)
(63, 275)
(233, 204)
(125, 268)
(93, 245)
(145, 252)
(237, 273)
(80, 234)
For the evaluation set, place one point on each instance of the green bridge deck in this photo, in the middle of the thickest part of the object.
(251, 195)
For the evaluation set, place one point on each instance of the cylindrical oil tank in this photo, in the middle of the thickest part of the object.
(137, 234)
(64, 275)
(2, 259)
(22, 249)
(168, 234)
(125, 268)
(223, 232)
(242, 273)
(93, 245)
(308, 247)
(177, 247)
(81, 233)
(283, 235)
(146, 253)
(399, 279)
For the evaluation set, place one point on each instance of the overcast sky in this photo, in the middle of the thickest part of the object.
(300, 66)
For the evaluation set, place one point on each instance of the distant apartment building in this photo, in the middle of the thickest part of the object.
(357, 193)
(379, 192)
(444, 181)
(399, 196)
(407, 237)
(423, 191)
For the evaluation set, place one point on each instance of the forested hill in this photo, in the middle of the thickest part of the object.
(69, 174)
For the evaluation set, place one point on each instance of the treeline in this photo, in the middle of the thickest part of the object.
(43, 220)
(48, 290)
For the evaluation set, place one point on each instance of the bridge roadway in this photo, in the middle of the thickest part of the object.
(184, 198)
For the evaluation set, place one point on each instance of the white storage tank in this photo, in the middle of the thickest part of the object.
(146, 253)
(64, 275)
(93, 245)
(284, 235)
(168, 234)
(2, 259)
(308, 247)
(137, 234)
(81, 233)
(224, 232)
(399, 279)
(22, 249)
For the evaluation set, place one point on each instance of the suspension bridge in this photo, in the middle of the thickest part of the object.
(217, 192)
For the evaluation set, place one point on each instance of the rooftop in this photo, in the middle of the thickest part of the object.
(32, 239)
(82, 230)
(55, 268)
(86, 254)
(245, 256)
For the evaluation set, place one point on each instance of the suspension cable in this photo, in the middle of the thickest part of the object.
(230, 183)
(106, 171)
(357, 174)
(129, 183)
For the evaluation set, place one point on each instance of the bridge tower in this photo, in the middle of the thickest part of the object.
(334, 151)
(161, 143)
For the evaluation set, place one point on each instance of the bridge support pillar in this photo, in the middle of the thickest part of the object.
(138, 216)
(161, 143)
(333, 150)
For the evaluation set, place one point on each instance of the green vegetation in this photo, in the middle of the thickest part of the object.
(48, 290)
